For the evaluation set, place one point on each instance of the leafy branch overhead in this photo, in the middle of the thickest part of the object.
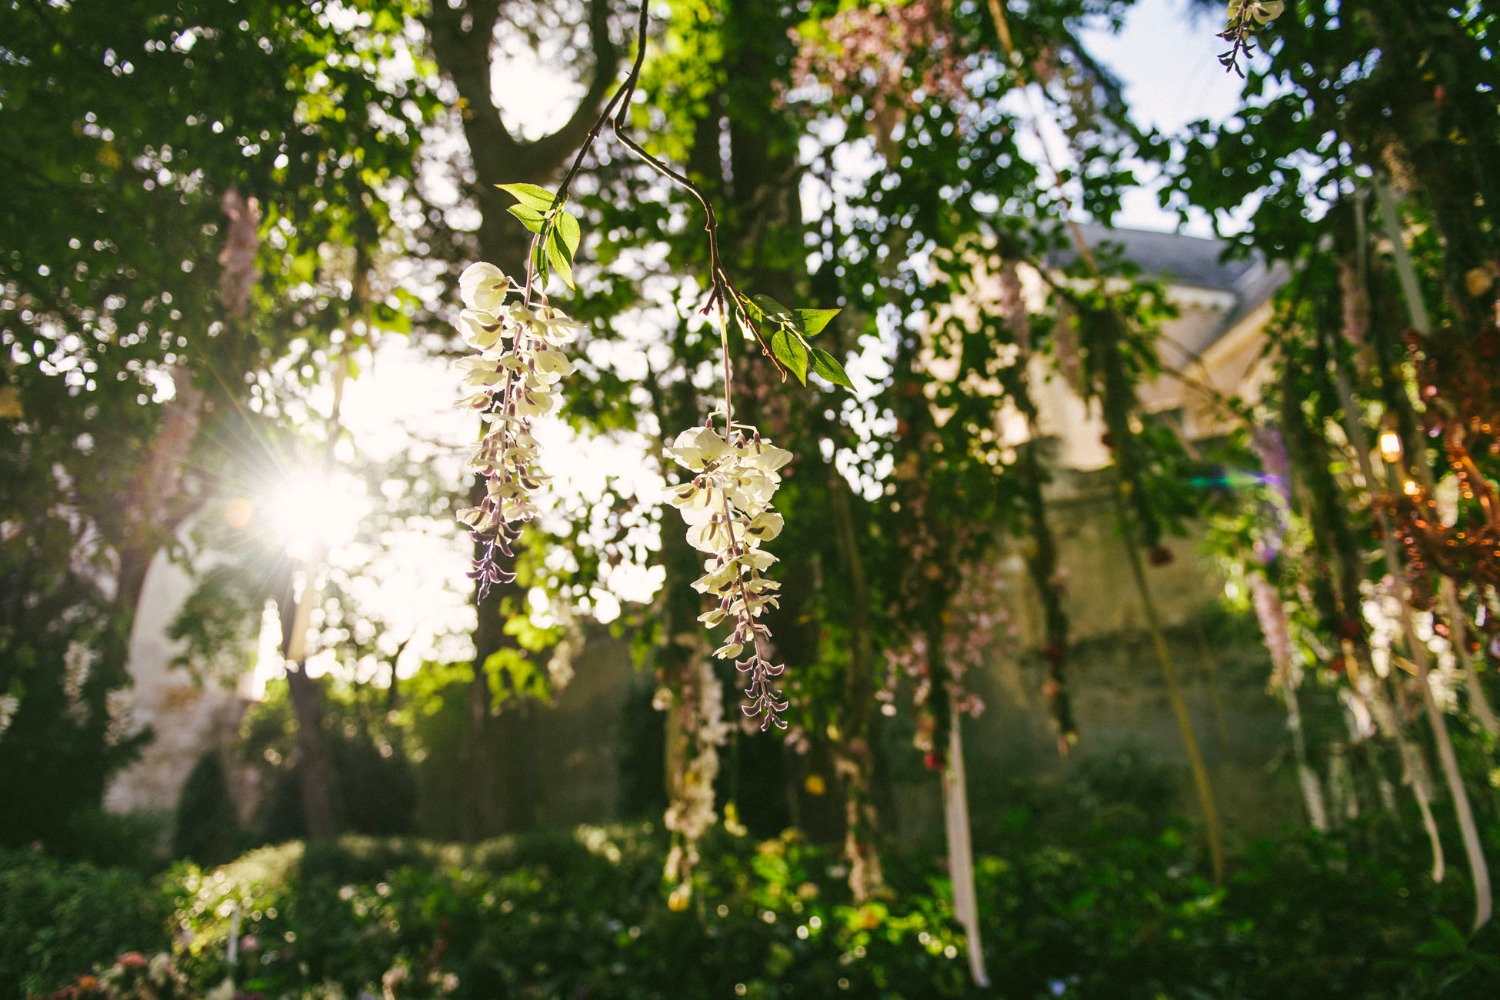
(726, 504)
(541, 212)
(557, 230)
(790, 329)
(558, 235)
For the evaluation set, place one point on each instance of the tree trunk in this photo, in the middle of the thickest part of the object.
(1202, 785)
(315, 776)
(498, 750)
(477, 817)
(855, 750)
(153, 507)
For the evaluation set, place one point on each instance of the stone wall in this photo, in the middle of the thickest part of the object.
(1127, 730)
(576, 750)
(187, 715)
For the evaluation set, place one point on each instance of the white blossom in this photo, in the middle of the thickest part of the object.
(727, 508)
(514, 375)
(483, 287)
(1263, 11)
(78, 663)
(119, 710)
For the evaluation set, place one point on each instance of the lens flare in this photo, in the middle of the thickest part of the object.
(310, 511)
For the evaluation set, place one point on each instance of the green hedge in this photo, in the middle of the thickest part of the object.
(60, 918)
(582, 914)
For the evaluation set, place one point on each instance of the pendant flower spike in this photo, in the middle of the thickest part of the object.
(1244, 20)
(727, 507)
(514, 373)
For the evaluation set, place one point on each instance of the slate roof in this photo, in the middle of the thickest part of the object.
(1187, 260)
(1194, 262)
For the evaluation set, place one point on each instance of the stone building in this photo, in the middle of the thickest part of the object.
(1214, 348)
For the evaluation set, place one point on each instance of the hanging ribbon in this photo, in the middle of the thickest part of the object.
(961, 849)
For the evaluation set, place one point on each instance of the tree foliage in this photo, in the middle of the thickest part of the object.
(183, 183)
(759, 216)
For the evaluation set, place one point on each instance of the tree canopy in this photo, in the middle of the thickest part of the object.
(813, 263)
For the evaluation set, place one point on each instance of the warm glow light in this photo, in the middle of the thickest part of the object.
(1390, 447)
(1411, 488)
(310, 511)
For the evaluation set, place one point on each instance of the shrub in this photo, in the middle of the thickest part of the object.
(58, 919)
(207, 830)
(373, 789)
(136, 840)
(582, 913)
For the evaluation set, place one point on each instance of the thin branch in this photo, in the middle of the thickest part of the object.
(616, 114)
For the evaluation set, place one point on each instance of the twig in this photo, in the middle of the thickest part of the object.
(616, 113)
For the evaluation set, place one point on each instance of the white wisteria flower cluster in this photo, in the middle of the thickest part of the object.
(514, 375)
(78, 664)
(727, 507)
(119, 712)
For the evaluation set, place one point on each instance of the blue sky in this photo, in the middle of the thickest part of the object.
(1169, 65)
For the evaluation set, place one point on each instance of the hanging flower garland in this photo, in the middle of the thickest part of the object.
(514, 376)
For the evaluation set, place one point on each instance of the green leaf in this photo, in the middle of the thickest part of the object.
(814, 320)
(560, 260)
(514, 676)
(570, 231)
(777, 313)
(828, 367)
(530, 217)
(531, 196)
(391, 319)
(790, 351)
(539, 262)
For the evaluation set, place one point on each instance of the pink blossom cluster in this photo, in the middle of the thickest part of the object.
(887, 53)
(975, 625)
